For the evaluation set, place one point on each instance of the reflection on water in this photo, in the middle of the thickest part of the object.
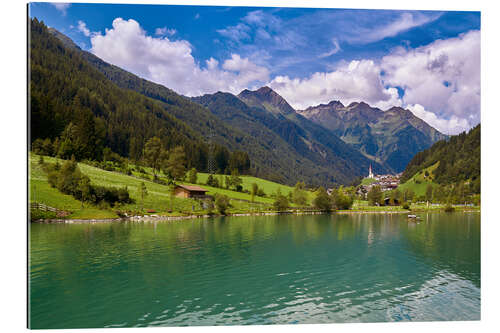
(256, 270)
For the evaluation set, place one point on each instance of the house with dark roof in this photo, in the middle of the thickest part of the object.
(190, 191)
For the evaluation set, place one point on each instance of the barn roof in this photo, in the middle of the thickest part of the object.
(193, 188)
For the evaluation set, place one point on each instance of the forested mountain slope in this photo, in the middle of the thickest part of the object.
(459, 159)
(81, 112)
(310, 159)
(318, 138)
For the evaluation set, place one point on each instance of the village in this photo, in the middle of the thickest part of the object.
(386, 182)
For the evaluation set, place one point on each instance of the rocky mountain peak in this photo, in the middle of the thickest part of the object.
(267, 98)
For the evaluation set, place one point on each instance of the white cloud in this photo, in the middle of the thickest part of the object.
(236, 33)
(441, 83)
(62, 7)
(443, 76)
(335, 50)
(355, 81)
(250, 71)
(165, 31)
(171, 63)
(83, 28)
(453, 125)
(405, 22)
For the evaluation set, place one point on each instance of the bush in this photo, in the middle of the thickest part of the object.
(299, 195)
(280, 202)
(103, 205)
(406, 205)
(341, 200)
(449, 208)
(209, 206)
(69, 180)
(212, 181)
(222, 203)
(375, 195)
(158, 180)
(322, 200)
(37, 214)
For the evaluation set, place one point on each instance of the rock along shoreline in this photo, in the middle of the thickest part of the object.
(159, 218)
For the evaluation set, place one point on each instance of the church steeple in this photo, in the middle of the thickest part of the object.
(370, 172)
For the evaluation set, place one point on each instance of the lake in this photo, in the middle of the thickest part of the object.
(256, 270)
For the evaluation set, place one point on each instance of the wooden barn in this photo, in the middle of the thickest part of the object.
(190, 191)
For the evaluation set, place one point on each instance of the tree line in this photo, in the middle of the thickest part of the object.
(68, 179)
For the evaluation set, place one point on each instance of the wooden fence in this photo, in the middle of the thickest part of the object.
(40, 206)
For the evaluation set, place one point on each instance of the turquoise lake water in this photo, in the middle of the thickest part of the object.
(256, 270)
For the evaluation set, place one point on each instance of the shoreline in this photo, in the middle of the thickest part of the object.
(157, 218)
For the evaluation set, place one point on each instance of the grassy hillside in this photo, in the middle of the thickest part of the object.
(368, 181)
(459, 160)
(269, 187)
(158, 198)
(419, 182)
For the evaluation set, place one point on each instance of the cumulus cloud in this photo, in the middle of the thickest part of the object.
(62, 7)
(358, 80)
(443, 76)
(453, 125)
(83, 28)
(171, 63)
(441, 83)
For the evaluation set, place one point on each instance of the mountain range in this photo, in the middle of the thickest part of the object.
(322, 145)
(391, 137)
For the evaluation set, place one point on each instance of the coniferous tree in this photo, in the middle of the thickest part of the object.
(192, 176)
(153, 153)
(235, 180)
(176, 163)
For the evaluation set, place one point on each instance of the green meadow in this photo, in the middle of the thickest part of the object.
(267, 186)
(419, 182)
(158, 201)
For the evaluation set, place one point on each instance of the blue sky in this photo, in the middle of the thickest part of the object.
(309, 56)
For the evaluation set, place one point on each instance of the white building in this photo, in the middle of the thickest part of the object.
(370, 172)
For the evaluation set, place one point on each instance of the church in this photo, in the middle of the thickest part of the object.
(370, 172)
